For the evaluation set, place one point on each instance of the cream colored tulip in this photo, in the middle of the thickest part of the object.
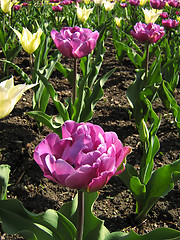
(30, 42)
(10, 95)
(99, 2)
(109, 5)
(151, 15)
(118, 21)
(83, 13)
(6, 5)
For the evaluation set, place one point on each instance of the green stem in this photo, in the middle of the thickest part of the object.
(80, 220)
(146, 63)
(74, 81)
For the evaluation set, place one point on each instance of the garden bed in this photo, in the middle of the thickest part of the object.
(19, 135)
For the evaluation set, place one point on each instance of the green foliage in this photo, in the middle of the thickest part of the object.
(50, 225)
(4, 179)
(93, 227)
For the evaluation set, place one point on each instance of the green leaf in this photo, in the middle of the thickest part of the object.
(160, 184)
(50, 225)
(157, 234)
(93, 227)
(4, 179)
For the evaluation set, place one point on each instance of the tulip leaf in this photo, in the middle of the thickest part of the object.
(160, 184)
(19, 71)
(4, 179)
(157, 234)
(93, 227)
(50, 225)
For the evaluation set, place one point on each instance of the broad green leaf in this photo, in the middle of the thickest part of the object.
(160, 184)
(4, 179)
(157, 234)
(93, 227)
(50, 225)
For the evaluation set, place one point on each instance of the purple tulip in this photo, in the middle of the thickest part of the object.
(85, 158)
(57, 8)
(150, 33)
(75, 42)
(134, 3)
(170, 23)
(123, 5)
(164, 15)
(174, 3)
(157, 4)
(17, 7)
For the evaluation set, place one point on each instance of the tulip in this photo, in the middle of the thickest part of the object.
(118, 21)
(143, 2)
(134, 3)
(157, 4)
(164, 15)
(109, 5)
(17, 7)
(99, 2)
(150, 33)
(10, 95)
(83, 13)
(57, 8)
(6, 6)
(170, 23)
(30, 42)
(151, 15)
(174, 3)
(75, 42)
(85, 158)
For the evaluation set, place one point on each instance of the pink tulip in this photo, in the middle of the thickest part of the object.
(57, 8)
(164, 15)
(170, 23)
(85, 158)
(150, 33)
(123, 5)
(75, 42)
(17, 7)
(157, 4)
(134, 3)
(174, 3)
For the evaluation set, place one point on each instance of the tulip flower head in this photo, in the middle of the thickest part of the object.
(10, 95)
(6, 5)
(83, 13)
(150, 33)
(174, 3)
(170, 23)
(118, 21)
(134, 3)
(30, 42)
(108, 5)
(157, 4)
(75, 42)
(57, 8)
(85, 158)
(151, 15)
(99, 2)
(143, 2)
(164, 15)
(123, 5)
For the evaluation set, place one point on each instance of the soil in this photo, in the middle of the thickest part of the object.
(19, 135)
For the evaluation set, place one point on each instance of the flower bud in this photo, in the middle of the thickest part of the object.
(143, 131)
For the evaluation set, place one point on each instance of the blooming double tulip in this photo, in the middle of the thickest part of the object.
(85, 158)
(174, 3)
(134, 3)
(30, 42)
(157, 4)
(170, 23)
(151, 15)
(83, 13)
(164, 15)
(150, 33)
(10, 95)
(75, 42)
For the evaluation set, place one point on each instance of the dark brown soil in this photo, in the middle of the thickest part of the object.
(19, 135)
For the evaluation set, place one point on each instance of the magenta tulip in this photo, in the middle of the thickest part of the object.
(123, 5)
(157, 4)
(85, 158)
(174, 3)
(150, 33)
(164, 15)
(170, 23)
(57, 8)
(75, 42)
(134, 3)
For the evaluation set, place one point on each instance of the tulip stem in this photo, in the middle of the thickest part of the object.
(147, 62)
(75, 81)
(80, 220)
